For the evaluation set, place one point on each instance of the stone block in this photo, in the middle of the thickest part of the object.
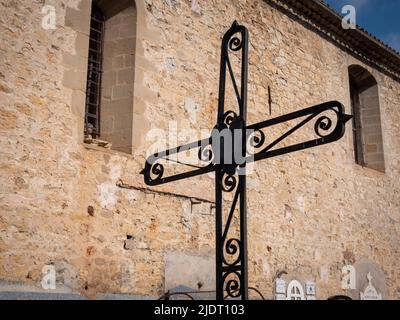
(109, 49)
(127, 31)
(374, 158)
(373, 129)
(109, 79)
(75, 80)
(106, 93)
(145, 64)
(371, 120)
(125, 46)
(78, 20)
(111, 33)
(78, 102)
(107, 124)
(140, 123)
(202, 208)
(82, 44)
(120, 106)
(75, 62)
(126, 76)
(123, 122)
(129, 20)
(374, 138)
(107, 64)
(184, 269)
(369, 111)
(371, 148)
(118, 62)
(122, 91)
(129, 60)
(127, 149)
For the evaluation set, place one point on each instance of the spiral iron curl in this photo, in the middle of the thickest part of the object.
(229, 117)
(228, 183)
(322, 126)
(232, 247)
(257, 139)
(206, 154)
(232, 286)
(235, 44)
(157, 170)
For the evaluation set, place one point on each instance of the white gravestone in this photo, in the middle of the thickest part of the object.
(280, 289)
(370, 293)
(310, 290)
(348, 278)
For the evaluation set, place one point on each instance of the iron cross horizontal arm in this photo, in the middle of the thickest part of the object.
(227, 152)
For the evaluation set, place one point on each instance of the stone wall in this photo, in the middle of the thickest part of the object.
(62, 202)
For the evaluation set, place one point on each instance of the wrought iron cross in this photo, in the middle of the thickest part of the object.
(219, 153)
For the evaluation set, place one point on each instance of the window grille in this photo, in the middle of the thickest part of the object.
(94, 73)
(357, 124)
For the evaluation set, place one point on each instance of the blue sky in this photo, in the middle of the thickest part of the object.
(380, 17)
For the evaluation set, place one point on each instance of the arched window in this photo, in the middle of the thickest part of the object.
(110, 76)
(368, 141)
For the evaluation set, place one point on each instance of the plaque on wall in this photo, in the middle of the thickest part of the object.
(280, 286)
(310, 288)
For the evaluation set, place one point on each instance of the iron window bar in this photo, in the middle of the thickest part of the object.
(94, 73)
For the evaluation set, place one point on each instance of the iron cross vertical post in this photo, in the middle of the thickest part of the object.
(236, 267)
(227, 154)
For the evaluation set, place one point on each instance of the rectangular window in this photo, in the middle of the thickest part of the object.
(111, 75)
(94, 74)
(368, 137)
(357, 137)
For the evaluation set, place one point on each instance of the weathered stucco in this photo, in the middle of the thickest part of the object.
(307, 212)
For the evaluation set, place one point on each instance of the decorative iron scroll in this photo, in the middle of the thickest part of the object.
(326, 129)
(326, 121)
(154, 171)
